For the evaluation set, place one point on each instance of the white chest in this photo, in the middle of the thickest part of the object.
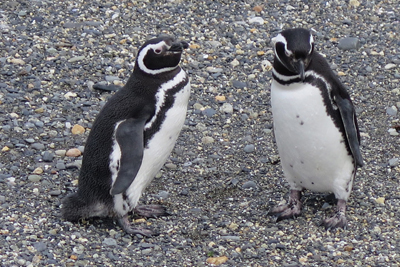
(312, 150)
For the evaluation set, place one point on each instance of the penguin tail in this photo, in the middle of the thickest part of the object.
(75, 208)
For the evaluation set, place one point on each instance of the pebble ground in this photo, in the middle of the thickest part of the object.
(224, 173)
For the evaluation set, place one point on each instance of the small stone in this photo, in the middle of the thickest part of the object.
(40, 246)
(348, 248)
(393, 132)
(60, 152)
(249, 148)
(226, 108)
(37, 146)
(380, 200)
(354, 3)
(239, 84)
(109, 242)
(78, 129)
(349, 43)
(209, 112)
(217, 260)
(17, 61)
(214, 70)
(235, 63)
(207, 140)
(249, 185)
(73, 152)
(48, 157)
(258, 20)
(163, 194)
(198, 106)
(171, 166)
(258, 8)
(390, 66)
(391, 111)
(69, 95)
(38, 170)
(5, 149)
(39, 110)
(220, 98)
(393, 162)
(34, 178)
(55, 193)
(75, 59)
(60, 166)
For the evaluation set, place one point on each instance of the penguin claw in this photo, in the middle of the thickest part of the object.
(338, 220)
(151, 211)
(127, 227)
(288, 211)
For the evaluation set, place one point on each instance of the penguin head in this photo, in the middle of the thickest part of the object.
(160, 55)
(293, 49)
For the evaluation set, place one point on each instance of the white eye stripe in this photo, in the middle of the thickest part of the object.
(143, 53)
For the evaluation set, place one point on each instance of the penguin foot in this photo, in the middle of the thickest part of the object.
(290, 210)
(338, 220)
(127, 227)
(151, 211)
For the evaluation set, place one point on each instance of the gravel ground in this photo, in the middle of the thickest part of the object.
(224, 173)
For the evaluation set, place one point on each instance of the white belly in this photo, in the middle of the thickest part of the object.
(312, 150)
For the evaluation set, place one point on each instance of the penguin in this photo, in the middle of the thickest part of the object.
(315, 126)
(132, 137)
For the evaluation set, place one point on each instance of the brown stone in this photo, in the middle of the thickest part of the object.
(73, 152)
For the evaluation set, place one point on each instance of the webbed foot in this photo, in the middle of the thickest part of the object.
(290, 210)
(338, 220)
(127, 227)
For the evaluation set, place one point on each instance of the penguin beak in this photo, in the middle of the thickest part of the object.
(178, 47)
(300, 68)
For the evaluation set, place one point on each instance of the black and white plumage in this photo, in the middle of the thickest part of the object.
(132, 137)
(315, 125)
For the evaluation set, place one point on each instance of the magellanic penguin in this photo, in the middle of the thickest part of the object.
(315, 125)
(132, 137)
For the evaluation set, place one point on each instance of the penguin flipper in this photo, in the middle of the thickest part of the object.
(347, 114)
(129, 136)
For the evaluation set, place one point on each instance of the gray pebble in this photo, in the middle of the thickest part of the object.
(391, 111)
(111, 78)
(393, 162)
(75, 59)
(349, 43)
(40, 246)
(30, 140)
(60, 166)
(109, 242)
(38, 146)
(2, 199)
(249, 148)
(48, 156)
(34, 178)
(239, 84)
(226, 108)
(171, 166)
(209, 112)
(249, 185)
(163, 194)
(55, 193)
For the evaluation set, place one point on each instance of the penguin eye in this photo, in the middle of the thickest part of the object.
(288, 53)
(158, 51)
